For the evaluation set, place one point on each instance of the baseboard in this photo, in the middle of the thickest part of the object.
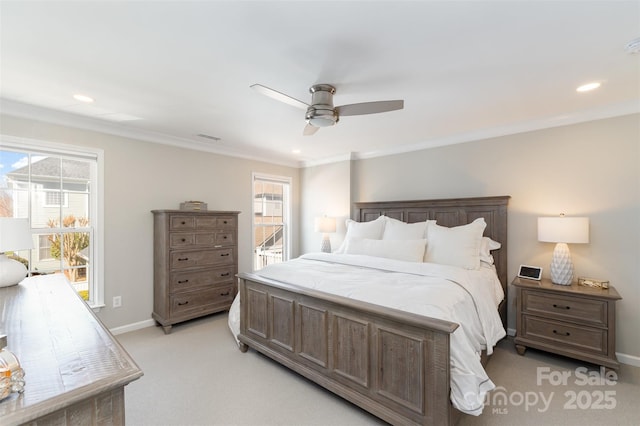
(132, 327)
(511, 332)
(628, 359)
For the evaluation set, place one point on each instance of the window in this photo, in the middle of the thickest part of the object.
(56, 199)
(271, 215)
(44, 247)
(57, 188)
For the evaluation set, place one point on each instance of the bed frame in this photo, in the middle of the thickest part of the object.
(391, 363)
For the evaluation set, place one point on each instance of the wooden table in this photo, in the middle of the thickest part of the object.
(75, 370)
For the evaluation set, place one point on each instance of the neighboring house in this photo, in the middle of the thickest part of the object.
(59, 189)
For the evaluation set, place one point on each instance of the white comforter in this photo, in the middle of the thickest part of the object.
(466, 297)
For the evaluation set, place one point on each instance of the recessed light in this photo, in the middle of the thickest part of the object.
(83, 98)
(296, 151)
(589, 86)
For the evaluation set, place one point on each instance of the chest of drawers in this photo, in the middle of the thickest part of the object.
(195, 264)
(574, 321)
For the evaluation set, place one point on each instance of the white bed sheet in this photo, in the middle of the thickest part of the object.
(466, 297)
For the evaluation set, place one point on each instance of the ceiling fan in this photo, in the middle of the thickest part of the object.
(321, 112)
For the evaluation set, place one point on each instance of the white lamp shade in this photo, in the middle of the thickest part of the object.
(563, 229)
(15, 234)
(325, 224)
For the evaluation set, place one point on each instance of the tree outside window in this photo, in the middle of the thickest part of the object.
(69, 246)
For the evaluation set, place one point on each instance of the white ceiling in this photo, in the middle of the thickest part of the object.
(466, 70)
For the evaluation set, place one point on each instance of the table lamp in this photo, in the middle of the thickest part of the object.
(326, 225)
(563, 230)
(14, 235)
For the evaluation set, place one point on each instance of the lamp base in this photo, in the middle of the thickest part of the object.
(11, 271)
(326, 244)
(561, 265)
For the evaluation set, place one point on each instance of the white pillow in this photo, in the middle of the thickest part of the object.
(457, 246)
(407, 250)
(486, 246)
(395, 229)
(359, 230)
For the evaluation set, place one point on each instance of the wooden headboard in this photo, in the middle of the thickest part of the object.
(451, 212)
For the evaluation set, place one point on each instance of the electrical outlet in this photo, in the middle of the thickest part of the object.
(117, 301)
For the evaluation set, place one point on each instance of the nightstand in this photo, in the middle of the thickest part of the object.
(574, 321)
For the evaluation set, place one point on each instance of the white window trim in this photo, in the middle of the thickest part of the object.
(277, 179)
(97, 202)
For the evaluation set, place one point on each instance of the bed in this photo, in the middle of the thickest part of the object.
(395, 361)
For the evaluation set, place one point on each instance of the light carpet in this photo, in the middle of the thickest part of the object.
(197, 376)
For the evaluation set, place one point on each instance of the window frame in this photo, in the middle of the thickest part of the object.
(287, 210)
(96, 199)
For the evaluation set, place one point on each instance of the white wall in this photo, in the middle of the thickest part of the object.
(590, 169)
(326, 191)
(140, 177)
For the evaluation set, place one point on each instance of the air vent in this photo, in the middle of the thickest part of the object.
(213, 138)
(633, 46)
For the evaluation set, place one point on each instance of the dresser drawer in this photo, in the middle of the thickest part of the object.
(576, 309)
(189, 259)
(200, 239)
(202, 222)
(564, 335)
(202, 300)
(226, 223)
(182, 222)
(224, 238)
(181, 281)
(215, 222)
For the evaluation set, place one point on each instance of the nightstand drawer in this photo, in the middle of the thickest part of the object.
(564, 335)
(576, 309)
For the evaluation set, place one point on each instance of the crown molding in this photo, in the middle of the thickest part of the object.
(32, 112)
(610, 111)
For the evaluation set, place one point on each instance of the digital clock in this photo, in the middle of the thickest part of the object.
(530, 272)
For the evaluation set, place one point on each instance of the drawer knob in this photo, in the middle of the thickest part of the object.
(225, 222)
(566, 333)
(225, 237)
(225, 294)
(182, 259)
(183, 303)
(226, 274)
(183, 222)
(183, 240)
(561, 306)
(183, 281)
(224, 254)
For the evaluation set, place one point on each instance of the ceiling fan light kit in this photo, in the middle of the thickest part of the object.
(321, 112)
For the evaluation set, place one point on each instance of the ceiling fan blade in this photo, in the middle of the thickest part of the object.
(309, 130)
(279, 96)
(369, 107)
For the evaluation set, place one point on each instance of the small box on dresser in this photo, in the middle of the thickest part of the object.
(572, 320)
(195, 264)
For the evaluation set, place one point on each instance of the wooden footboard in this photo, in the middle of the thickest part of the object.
(391, 363)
